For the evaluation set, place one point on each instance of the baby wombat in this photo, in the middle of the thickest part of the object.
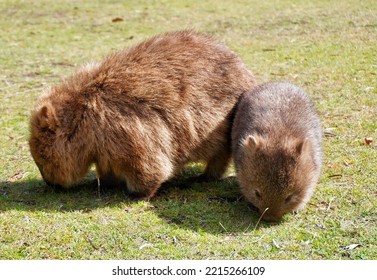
(276, 141)
(141, 114)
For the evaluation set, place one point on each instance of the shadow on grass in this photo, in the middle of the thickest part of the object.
(35, 195)
(215, 207)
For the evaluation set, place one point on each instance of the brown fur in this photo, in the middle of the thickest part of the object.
(276, 141)
(142, 113)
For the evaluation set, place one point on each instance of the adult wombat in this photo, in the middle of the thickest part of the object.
(142, 113)
(276, 141)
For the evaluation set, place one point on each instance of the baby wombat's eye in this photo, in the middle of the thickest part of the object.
(289, 198)
(257, 194)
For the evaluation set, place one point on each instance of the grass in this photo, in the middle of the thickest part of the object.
(327, 47)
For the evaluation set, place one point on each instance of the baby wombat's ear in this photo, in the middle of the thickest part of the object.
(46, 117)
(253, 142)
(303, 147)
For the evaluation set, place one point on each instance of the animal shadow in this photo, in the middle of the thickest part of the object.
(213, 207)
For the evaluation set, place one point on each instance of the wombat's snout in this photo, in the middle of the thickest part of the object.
(270, 216)
(55, 187)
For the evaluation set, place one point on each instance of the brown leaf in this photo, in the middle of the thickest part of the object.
(368, 140)
(17, 176)
(117, 19)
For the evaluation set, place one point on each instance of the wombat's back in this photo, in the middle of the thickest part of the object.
(276, 141)
(183, 83)
(142, 113)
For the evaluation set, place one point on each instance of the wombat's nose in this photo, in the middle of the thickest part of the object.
(56, 187)
(271, 217)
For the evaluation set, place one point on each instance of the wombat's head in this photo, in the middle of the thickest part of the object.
(59, 156)
(277, 177)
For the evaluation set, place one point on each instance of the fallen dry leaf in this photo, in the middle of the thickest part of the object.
(352, 246)
(145, 245)
(328, 132)
(275, 243)
(117, 19)
(17, 176)
(368, 140)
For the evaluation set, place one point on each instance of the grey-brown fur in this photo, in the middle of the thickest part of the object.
(276, 142)
(142, 113)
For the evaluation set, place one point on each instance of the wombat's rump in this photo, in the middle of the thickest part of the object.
(142, 113)
(276, 142)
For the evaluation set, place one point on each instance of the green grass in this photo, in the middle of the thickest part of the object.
(327, 47)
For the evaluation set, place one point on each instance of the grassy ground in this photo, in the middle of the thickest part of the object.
(327, 47)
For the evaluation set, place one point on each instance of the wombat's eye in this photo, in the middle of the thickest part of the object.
(289, 198)
(257, 194)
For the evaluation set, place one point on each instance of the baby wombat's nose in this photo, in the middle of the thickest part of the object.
(271, 216)
(272, 219)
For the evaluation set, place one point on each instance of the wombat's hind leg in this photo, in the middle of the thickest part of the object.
(215, 168)
(110, 181)
(135, 189)
(218, 164)
(142, 190)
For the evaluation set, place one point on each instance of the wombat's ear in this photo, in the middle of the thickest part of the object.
(252, 142)
(46, 117)
(303, 146)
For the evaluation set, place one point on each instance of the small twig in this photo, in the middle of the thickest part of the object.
(335, 175)
(145, 245)
(329, 204)
(260, 218)
(99, 187)
(91, 243)
(275, 244)
(223, 227)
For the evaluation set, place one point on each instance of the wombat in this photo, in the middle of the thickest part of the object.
(276, 146)
(142, 113)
